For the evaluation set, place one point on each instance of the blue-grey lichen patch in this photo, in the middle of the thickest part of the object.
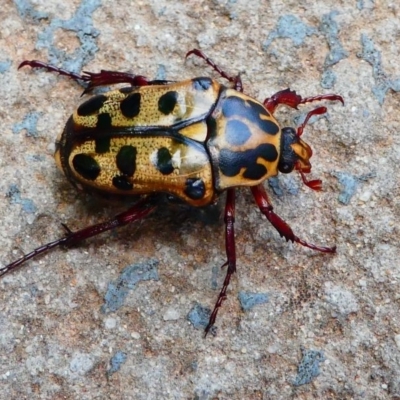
(308, 368)
(194, 365)
(291, 27)
(199, 316)
(350, 184)
(374, 58)
(5, 66)
(29, 123)
(249, 300)
(284, 184)
(365, 4)
(330, 29)
(26, 10)
(81, 363)
(161, 73)
(14, 195)
(130, 276)
(35, 157)
(274, 184)
(81, 23)
(117, 360)
(328, 79)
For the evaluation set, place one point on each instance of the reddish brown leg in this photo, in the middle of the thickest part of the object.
(314, 184)
(94, 79)
(291, 99)
(316, 111)
(230, 254)
(236, 80)
(140, 210)
(262, 200)
(319, 97)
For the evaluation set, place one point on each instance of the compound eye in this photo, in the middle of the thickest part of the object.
(286, 167)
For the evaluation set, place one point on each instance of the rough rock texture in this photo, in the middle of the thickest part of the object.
(327, 327)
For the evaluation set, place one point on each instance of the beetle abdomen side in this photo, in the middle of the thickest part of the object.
(244, 142)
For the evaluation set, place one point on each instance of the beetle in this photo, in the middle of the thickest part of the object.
(191, 139)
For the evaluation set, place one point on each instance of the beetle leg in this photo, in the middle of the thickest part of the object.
(316, 111)
(329, 97)
(314, 184)
(262, 200)
(236, 80)
(287, 97)
(291, 99)
(230, 254)
(51, 68)
(138, 211)
(105, 77)
(94, 79)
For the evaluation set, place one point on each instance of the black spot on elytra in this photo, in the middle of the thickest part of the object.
(104, 121)
(194, 188)
(126, 160)
(202, 83)
(212, 127)
(121, 182)
(250, 110)
(91, 106)
(167, 102)
(86, 166)
(164, 161)
(237, 132)
(231, 162)
(130, 106)
(103, 144)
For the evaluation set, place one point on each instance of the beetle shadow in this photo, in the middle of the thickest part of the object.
(170, 215)
(178, 212)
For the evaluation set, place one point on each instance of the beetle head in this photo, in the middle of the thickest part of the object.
(296, 154)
